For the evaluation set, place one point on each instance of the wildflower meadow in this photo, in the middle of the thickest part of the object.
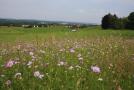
(57, 58)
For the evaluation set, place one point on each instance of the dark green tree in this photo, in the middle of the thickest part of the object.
(106, 21)
(109, 21)
(114, 22)
(130, 23)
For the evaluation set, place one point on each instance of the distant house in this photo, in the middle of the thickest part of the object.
(73, 26)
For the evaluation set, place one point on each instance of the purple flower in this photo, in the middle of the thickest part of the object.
(9, 64)
(72, 50)
(95, 69)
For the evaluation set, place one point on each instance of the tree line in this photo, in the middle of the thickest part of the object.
(110, 21)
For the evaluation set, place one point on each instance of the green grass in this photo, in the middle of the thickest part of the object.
(110, 50)
(16, 33)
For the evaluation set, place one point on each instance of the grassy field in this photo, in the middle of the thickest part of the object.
(57, 58)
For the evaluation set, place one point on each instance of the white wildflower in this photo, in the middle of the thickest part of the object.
(31, 53)
(100, 79)
(38, 75)
(71, 67)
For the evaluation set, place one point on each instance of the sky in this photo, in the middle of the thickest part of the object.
(87, 11)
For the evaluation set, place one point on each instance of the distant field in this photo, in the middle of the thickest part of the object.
(57, 58)
(17, 33)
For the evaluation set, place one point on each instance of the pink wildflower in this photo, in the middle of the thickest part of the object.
(9, 64)
(72, 50)
(95, 69)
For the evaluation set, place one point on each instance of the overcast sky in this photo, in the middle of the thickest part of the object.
(89, 11)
